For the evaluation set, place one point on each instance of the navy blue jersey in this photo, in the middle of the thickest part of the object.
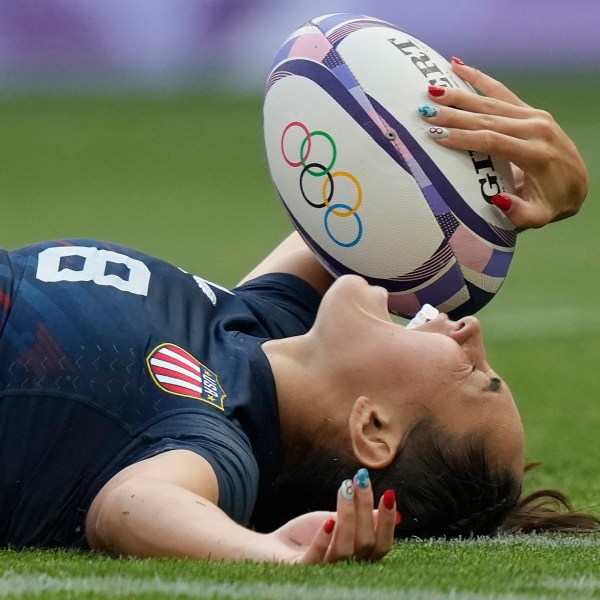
(109, 356)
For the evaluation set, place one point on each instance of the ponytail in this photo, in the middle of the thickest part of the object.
(548, 511)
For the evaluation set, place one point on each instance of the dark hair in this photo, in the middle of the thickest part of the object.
(548, 510)
(445, 487)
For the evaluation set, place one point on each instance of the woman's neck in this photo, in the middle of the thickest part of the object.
(310, 413)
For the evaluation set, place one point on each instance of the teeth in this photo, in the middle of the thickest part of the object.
(427, 313)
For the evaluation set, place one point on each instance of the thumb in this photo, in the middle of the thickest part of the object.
(523, 214)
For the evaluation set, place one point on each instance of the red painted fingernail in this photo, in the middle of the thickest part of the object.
(502, 202)
(457, 60)
(389, 499)
(436, 91)
(398, 518)
(329, 525)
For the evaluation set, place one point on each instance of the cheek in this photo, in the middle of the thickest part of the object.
(436, 362)
(431, 374)
(423, 364)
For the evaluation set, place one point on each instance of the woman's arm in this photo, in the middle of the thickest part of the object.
(551, 177)
(295, 257)
(165, 506)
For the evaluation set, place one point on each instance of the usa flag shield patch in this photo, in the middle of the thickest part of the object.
(176, 371)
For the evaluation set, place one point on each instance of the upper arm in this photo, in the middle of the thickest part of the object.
(183, 469)
(293, 256)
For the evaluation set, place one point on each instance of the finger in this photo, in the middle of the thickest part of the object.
(450, 117)
(486, 84)
(466, 100)
(301, 530)
(524, 214)
(364, 539)
(522, 153)
(320, 544)
(342, 544)
(387, 519)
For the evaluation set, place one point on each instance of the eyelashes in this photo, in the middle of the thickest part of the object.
(495, 383)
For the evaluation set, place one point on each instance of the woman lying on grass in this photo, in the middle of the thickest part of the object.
(145, 411)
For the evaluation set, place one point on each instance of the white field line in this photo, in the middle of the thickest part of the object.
(26, 586)
(580, 584)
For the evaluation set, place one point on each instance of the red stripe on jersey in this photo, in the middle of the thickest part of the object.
(176, 375)
(4, 301)
(181, 352)
(167, 358)
(180, 390)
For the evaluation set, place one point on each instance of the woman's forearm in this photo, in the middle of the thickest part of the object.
(146, 517)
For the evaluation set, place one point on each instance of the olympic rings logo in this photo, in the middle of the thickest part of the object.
(317, 169)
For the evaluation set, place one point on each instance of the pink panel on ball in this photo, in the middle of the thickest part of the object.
(469, 250)
(404, 304)
(311, 45)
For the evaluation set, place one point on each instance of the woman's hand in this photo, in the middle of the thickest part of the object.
(550, 176)
(354, 531)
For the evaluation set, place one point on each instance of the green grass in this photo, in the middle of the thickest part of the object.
(185, 177)
(539, 566)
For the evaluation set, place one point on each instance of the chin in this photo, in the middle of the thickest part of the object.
(353, 293)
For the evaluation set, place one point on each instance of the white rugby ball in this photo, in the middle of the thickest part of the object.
(362, 181)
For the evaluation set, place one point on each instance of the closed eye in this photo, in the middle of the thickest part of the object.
(495, 384)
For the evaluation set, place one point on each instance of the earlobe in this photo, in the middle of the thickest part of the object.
(374, 440)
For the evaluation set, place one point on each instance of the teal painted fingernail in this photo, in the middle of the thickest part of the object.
(348, 489)
(438, 132)
(427, 110)
(362, 478)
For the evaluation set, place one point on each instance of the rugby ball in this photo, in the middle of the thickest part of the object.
(362, 181)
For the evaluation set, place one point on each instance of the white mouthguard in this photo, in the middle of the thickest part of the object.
(427, 313)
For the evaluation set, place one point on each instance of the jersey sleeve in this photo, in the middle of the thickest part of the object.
(224, 446)
(284, 304)
(10, 274)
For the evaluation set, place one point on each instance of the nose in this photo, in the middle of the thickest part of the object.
(468, 335)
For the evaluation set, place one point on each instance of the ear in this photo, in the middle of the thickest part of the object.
(374, 438)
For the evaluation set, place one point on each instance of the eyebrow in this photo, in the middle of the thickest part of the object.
(494, 385)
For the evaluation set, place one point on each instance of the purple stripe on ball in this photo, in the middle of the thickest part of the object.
(436, 202)
(343, 73)
(452, 198)
(346, 24)
(332, 21)
(284, 52)
(498, 264)
(439, 291)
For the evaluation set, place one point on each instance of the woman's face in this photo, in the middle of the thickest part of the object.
(438, 369)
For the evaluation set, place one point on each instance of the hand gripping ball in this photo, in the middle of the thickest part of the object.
(364, 184)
